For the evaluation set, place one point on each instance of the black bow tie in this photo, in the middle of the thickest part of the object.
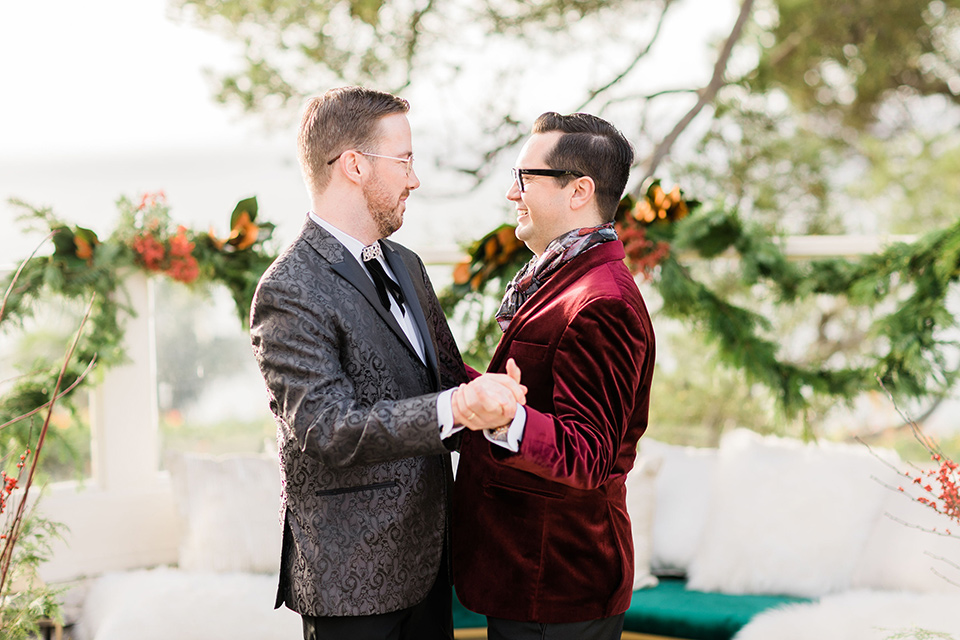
(381, 280)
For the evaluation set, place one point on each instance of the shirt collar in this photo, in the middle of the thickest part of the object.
(354, 246)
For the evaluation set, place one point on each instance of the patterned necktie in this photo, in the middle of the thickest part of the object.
(371, 260)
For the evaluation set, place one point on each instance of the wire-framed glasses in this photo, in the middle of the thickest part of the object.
(408, 160)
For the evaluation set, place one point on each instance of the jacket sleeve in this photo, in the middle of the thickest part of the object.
(597, 374)
(301, 355)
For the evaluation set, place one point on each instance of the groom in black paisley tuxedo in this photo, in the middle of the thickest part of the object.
(361, 369)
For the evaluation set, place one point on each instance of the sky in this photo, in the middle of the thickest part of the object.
(81, 78)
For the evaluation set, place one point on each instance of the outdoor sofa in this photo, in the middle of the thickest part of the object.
(762, 538)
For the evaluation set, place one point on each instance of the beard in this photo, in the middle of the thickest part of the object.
(385, 209)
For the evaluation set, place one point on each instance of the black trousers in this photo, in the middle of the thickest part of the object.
(432, 619)
(603, 629)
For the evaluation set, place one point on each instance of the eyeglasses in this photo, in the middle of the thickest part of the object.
(553, 173)
(408, 161)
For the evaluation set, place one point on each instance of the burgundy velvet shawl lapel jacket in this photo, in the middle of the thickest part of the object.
(543, 535)
(366, 478)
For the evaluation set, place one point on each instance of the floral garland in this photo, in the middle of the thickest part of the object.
(908, 353)
(85, 268)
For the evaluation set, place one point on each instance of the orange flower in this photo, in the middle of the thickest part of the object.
(461, 272)
(180, 246)
(84, 248)
(244, 232)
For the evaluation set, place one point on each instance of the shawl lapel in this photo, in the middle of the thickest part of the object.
(563, 278)
(347, 267)
(411, 294)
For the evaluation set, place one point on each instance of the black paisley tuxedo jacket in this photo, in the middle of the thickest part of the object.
(366, 478)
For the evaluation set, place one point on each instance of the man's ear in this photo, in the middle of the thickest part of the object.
(584, 189)
(349, 164)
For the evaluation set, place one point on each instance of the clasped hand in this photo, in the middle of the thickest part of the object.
(489, 401)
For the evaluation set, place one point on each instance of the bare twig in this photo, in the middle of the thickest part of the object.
(591, 96)
(6, 555)
(942, 534)
(16, 276)
(707, 94)
(66, 391)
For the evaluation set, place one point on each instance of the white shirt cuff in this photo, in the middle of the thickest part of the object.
(509, 437)
(445, 414)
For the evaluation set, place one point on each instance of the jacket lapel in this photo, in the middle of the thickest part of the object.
(411, 294)
(347, 267)
(563, 278)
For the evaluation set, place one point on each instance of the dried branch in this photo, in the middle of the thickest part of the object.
(640, 55)
(6, 555)
(707, 94)
(16, 276)
(66, 391)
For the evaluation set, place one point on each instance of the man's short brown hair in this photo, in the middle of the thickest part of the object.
(593, 147)
(341, 119)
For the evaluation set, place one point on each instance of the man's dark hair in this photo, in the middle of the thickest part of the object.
(593, 147)
(341, 119)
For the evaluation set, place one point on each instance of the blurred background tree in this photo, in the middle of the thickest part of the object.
(809, 117)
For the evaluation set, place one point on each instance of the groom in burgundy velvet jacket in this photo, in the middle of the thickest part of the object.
(542, 542)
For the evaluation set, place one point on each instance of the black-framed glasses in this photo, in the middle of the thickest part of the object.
(553, 173)
(408, 160)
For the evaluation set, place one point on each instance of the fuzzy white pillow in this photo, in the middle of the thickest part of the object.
(909, 542)
(641, 497)
(787, 517)
(684, 492)
(229, 506)
(167, 604)
(860, 615)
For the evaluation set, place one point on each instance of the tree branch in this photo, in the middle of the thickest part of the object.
(592, 95)
(707, 94)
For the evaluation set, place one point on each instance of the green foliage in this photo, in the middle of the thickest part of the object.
(478, 285)
(774, 166)
(905, 350)
(849, 57)
(295, 49)
(912, 181)
(919, 633)
(25, 600)
(82, 268)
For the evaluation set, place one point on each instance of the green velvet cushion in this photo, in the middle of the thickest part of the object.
(463, 618)
(670, 610)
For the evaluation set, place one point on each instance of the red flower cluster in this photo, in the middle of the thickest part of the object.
(942, 484)
(151, 199)
(151, 251)
(642, 254)
(8, 484)
(181, 265)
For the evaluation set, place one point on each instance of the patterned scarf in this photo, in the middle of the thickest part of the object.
(536, 272)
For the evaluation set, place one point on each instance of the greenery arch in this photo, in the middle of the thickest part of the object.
(904, 287)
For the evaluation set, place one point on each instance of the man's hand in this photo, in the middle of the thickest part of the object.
(489, 401)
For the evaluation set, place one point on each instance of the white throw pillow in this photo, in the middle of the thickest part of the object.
(641, 497)
(787, 517)
(903, 550)
(230, 507)
(684, 490)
